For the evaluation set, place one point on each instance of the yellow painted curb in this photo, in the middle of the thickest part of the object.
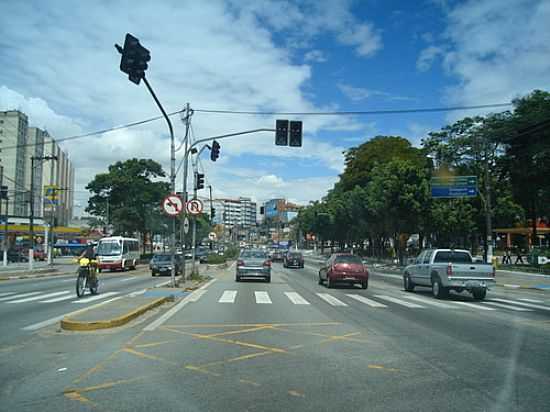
(69, 324)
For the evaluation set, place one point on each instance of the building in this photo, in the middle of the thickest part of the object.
(58, 177)
(13, 136)
(235, 212)
(279, 211)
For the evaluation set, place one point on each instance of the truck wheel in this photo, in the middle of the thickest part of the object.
(479, 293)
(408, 284)
(438, 291)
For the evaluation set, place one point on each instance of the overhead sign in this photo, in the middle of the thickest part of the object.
(172, 205)
(454, 186)
(194, 207)
(186, 225)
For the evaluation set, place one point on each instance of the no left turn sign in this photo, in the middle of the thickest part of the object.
(172, 205)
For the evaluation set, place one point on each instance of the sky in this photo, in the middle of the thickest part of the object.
(58, 64)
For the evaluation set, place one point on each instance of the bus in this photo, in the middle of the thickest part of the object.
(117, 253)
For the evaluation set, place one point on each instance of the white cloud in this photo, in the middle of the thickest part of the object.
(427, 57)
(364, 37)
(354, 93)
(499, 50)
(316, 56)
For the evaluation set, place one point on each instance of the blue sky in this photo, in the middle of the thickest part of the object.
(60, 67)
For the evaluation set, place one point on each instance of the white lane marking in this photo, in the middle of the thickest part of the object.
(66, 297)
(296, 298)
(7, 293)
(387, 275)
(137, 293)
(56, 319)
(197, 295)
(331, 300)
(531, 300)
(501, 305)
(189, 298)
(472, 305)
(228, 296)
(96, 297)
(507, 285)
(21, 295)
(47, 295)
(515, 302)
(262, 297)
(428, 301)
(399, 301)
(367, 301)
(127, 279)
(69, 280)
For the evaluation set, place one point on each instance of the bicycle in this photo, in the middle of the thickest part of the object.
(87, 277)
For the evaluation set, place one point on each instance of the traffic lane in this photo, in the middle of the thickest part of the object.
(236, 356)
(17, 316)
(496, 348)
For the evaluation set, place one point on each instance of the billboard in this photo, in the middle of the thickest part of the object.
(274, 207)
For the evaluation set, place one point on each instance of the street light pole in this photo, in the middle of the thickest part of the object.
(184, 214)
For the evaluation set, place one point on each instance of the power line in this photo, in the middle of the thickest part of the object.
(357, 113)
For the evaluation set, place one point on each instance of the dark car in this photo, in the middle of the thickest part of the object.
(202, 255)
(161, 264)
(15, 256)
(277, 256)
(293, 260)
(344, 268)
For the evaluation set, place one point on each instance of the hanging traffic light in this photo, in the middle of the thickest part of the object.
(199, 181)
(281, 132)
(134, 58)
(295, 134)
(215, 151)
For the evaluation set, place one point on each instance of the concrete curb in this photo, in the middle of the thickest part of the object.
(514, 286)
(35, 274)
(69, 324)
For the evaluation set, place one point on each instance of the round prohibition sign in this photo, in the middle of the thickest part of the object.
(172, 205)
(194, 207)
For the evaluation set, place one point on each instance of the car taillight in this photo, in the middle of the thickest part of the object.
(450, 270)
(267, 263)
(240, 263)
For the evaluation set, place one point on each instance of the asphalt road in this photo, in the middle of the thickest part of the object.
(288, 345)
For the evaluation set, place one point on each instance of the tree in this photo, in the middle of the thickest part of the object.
(129, 195)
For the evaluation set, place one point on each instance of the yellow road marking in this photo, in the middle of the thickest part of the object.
(232, 325)
(235, 332)
(296, 393)
(383, 368)
(198, 369)
(152, 344)
(238, 358)
(346, 337)
(105, 385)
(75, 396)
(146, 356)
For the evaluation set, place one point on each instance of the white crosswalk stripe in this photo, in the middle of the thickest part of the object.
(500, 305)
(47, 295)
(6, 293)
(296, 298)
(262, 297)
(426, 301)
(228, 296)
(20, 295)
(472, 305)
(528, 305)
(331, 300)
(96, 297)
(60, 299)
(531, 300)
(399, 301)
(370, 302)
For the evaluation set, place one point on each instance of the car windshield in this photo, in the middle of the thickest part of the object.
(452, 257)
(162, 258)
(109, 248)
(253, 255)
(348, 259)
(295, 255)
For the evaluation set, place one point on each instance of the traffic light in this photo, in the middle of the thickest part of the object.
(262, 210)
(134, 58)
(212, 213)
(281, 132)
(4, 192)
(295, 134)
(199, 181)
(215, 151)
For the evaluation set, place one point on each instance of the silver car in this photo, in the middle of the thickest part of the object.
(253, 264)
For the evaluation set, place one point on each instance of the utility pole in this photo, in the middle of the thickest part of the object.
(488, 211)
(4, 240)
(185, 166)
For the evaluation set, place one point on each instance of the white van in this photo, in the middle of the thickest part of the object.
(118, 253)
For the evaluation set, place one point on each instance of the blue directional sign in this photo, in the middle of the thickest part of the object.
(454, 186)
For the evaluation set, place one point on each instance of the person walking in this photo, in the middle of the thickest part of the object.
(507, 258)
(519, 257)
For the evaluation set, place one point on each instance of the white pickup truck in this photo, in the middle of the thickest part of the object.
(449, 269)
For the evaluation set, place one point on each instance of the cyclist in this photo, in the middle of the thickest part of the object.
(89, 253)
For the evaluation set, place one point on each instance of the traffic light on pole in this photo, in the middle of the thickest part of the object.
(295, 134)
(215, 151)
(212, 213)
(4, 192)
(199, 183)
(134, 58)
(281, 132)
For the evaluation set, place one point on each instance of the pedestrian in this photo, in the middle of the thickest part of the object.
(507, 259)
(519, 258)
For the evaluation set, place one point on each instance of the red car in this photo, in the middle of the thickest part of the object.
(344, 268)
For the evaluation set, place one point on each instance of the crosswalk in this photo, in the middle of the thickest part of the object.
(389, 300)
